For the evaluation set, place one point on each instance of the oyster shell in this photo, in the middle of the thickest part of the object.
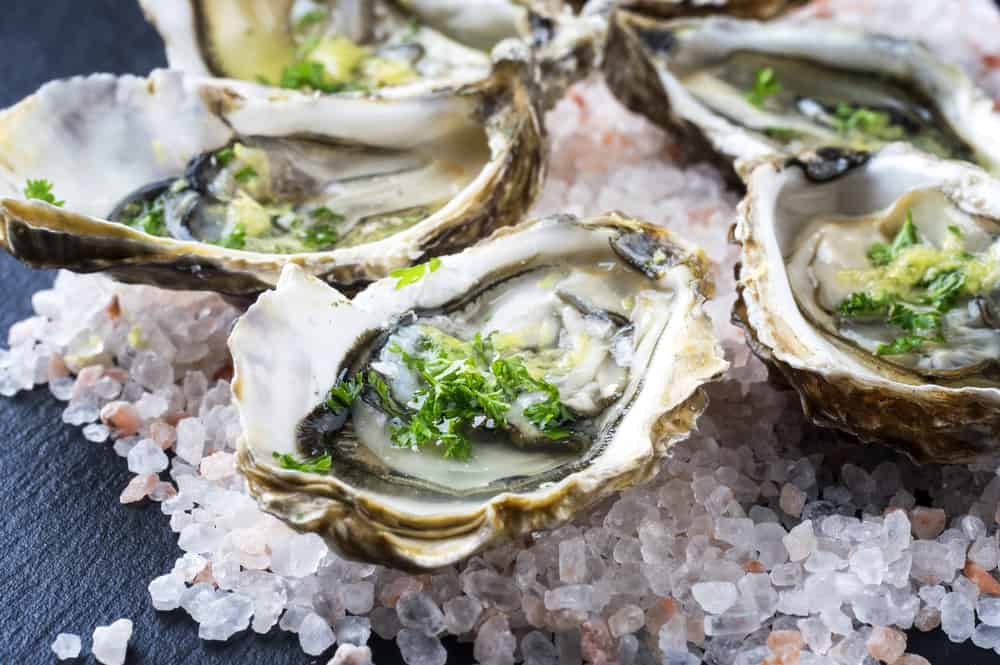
(374, 183)
(872, 288)
(744, 90)
(758, 9)
(610, 310)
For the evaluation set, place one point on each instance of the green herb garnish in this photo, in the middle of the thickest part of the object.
(308, 75)
(319, 236)
(765, 85)
(343, 393)
(235, 239)
(881, 254)
(245, 174)
(324, 214)
(867, 121)
(413, 274)
(41, 190)
(319, 464)
(309, 19)
(900, 345)
(225, 155)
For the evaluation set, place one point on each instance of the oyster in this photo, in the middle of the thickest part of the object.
(194, 183)
(478, 397)
(873, 285)
(743, 90)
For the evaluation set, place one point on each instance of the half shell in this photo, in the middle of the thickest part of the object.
(823, 85)
(416, 508)
(942, 416)
(101, 139)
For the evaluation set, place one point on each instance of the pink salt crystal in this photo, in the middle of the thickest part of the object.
(792, 500)
(786, 647)
(205, 575)
(138, 488)
(982, 578)
(754, 566)
(390, 594)
(163, 434)
(218, 465)
(596, 642)
(57, 367)
(116, 373)
(927, 523)
(927, 619)
(886, 644)
(87, 377)
(162, 491)
(122, 416)
(911, 659)
(660, 613)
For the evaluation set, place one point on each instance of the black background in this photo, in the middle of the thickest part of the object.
(71, 556)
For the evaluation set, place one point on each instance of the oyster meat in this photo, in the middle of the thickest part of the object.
(479, 396)
(873, 287)
(194, 183)
(744, 90)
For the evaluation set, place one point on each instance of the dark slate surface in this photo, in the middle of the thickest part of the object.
(72, 557)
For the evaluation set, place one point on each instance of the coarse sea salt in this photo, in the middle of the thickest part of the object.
(761, 539)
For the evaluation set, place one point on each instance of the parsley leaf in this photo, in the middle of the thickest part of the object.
(765, 85)
(245, 174)
(900, 345)
(881, 254)
(310, 18)
(945, 288)
(413, 274)
(235, 239)
(860, 304)
(867, 121)
(41, 190)
(324, 214)
(342, 395)
(224, 155)
(315, 465)
(912, 320)
(309, 75)
(319, 236)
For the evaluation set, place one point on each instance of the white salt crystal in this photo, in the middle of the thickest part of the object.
(66, 646)
(733, 623)
(352, 630)
(757, 592)
(298, 555)
(986, 637)
(111, 642)
(315, 634)
(735, 531)
(96, 432)
(931, 564)
(823, 562)
(151, 406)
(165, 591)
(957, 617)
(199, 538)
(984, 551)
(800, 541)
(792, 500)
(218, 466)
(190, 444)
(147, 457)
(62, 388)
(573, 561)
(578, 597)
(787, 574)
(715, 597)
(494, 643)
(973, 527)
(385, 623)
(461, 614)
(988, 608)
(419, 649)
(81, 410)
(868, 564)
(627, 619)
(349, 654)
(816, 634)
(538, 649)
(417, 610)
(358, 597)
(224, 615)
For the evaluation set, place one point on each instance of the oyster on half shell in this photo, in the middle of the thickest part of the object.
(737, 89)
(195, 183)
(874, 290)
(584, 342)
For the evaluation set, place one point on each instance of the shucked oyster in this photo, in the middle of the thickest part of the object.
(212, 184)
(476, 397)
(876, 292)
(365, 46)
(744, 90)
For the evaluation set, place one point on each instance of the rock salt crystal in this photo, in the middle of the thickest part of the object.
(800, 541)
(715, 597)
(628, 619)
(352, 630)
(66, 646)
(573, 561)
(886, 644)
(349, 654)
(927, 523)
(792, 500)
(538, 649)
(419, 649)
(147, 457)
(461, 614)
(165, 591)
(111, 642)
(315, 634)
(494, 643)
(190, 444)
(417, 610)
(138, 488)
(957, 617)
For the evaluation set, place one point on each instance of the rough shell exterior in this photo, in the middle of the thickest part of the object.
(839, 385)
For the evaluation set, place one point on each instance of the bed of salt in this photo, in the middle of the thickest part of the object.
(762, 539)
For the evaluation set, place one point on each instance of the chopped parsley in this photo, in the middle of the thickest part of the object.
(245, 174)
(41, 190)
(413, 274)
(309, 19)
(878, 124)
(319, 236)
(319, 464)
(147, 216)
(924, 284)
(235, 239)
(324, 214)
(765, 85)
(225, 155)
(464, 386)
